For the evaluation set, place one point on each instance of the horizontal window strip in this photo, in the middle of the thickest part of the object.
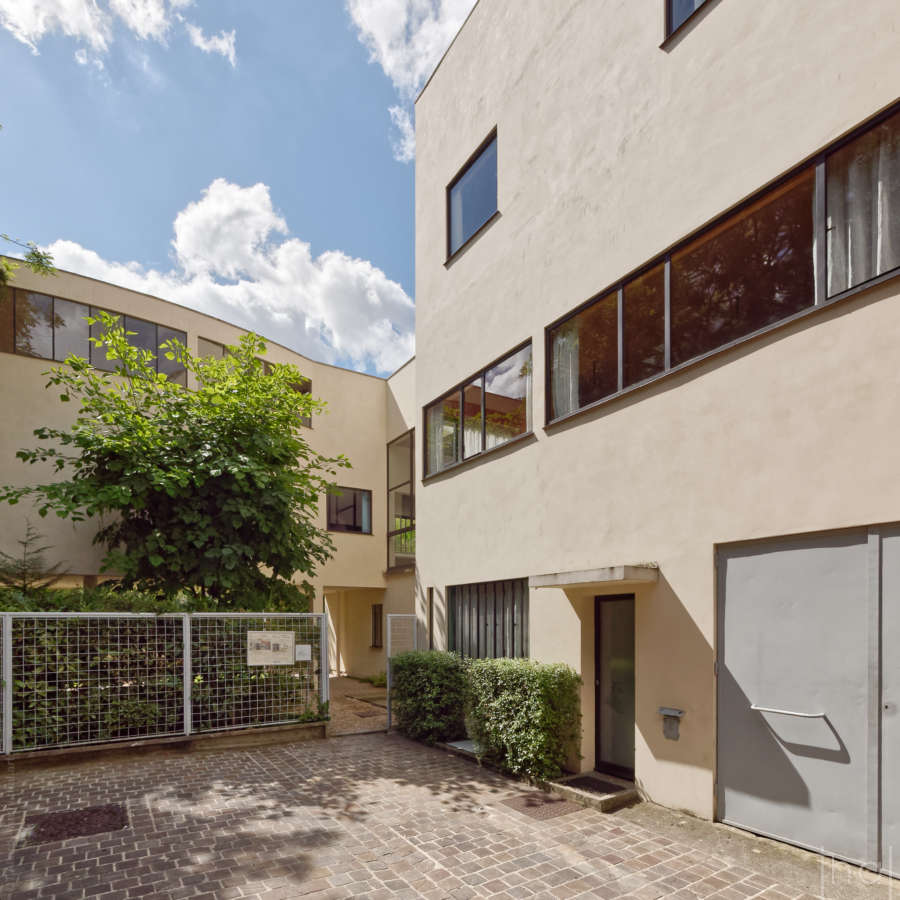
(47, 327)
(488, 410)
(832, 226)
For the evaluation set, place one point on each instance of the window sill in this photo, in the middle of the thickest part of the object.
(563, 420)
(485, 454)
(471, 240)
(348, 531)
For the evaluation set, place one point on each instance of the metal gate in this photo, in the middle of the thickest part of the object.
(808, 728)
(402, 636)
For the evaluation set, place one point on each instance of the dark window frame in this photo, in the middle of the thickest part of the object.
(452, 254)
(411, 529)
(342, 529)
(671, 31)
(377, 626)
(459, 388)
(818, 302)
(12, 293)
(477, 619)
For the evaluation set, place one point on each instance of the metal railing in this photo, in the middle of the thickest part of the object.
(85, 678)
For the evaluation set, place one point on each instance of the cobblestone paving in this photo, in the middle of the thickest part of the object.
(345, 709)
(360, 816)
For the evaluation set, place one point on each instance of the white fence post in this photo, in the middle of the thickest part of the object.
(7, 684)
(324, 681)
(187, 674)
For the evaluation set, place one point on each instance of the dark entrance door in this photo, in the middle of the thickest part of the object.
(614, 684)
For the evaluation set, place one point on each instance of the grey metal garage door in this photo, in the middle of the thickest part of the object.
(800, 726)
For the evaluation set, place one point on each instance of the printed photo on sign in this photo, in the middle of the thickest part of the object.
(270, 648)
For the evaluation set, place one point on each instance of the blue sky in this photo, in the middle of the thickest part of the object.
(249, 159)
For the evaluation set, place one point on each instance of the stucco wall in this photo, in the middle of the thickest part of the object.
(610, 150)
(354, 424)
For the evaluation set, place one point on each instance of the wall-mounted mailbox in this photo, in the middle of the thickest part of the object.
(671, 721)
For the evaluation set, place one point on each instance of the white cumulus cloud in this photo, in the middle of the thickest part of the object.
(407, 38)
(30, 20)
(221, 43)
(146, 18)
(93, 23)
(404, 144)
(233, 257)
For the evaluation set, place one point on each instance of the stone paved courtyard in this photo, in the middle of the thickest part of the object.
(360, 816)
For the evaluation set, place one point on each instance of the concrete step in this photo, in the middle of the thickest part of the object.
(603, 792)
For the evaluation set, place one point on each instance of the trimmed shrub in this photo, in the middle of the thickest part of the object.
(428, 695)
(525, 716)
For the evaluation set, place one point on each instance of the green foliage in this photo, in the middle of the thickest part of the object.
(28, 572)
(524, 715)
(100, 679)
(213, 490)
(39, 261)
(379, 680)
(109, 597)
(428, 695)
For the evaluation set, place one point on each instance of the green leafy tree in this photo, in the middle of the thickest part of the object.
(213, 490)
(28, 571)
(39, 261)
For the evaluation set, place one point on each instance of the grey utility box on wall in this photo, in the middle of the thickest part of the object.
(671, 722)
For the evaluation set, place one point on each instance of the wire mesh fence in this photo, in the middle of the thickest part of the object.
(227, 692)
(85, 678)
(403, 634)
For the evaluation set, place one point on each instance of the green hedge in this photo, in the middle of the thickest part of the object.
(524, 715)
(428, 695)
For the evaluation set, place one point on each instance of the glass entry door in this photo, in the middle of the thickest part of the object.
(614, 684)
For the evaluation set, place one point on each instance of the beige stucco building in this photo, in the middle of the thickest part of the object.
(693, 243)
(363, 581)
(654, 402)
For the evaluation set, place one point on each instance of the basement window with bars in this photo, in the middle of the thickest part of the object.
(489, 619)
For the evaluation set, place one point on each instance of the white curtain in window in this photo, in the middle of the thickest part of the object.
(863, 197)
(472, 436)
(564, 369)
(435, 437)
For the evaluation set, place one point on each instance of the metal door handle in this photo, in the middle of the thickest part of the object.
(787, 712)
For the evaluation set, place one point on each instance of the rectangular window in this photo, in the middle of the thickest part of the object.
(644, 326)
(442, 433)
(489, 620)
(98, 354)
(678, 12)
(141, 334)
(7, 320)
(34, 324)
(751, 270)
(171, 368)
(863, 207)
(401, 502)
(584, 357)
(495, 407)
(507, 399)
(207, 348)
(472, 196)
(71, 330)
(377, 624)
(305, 387)
(350, 510)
